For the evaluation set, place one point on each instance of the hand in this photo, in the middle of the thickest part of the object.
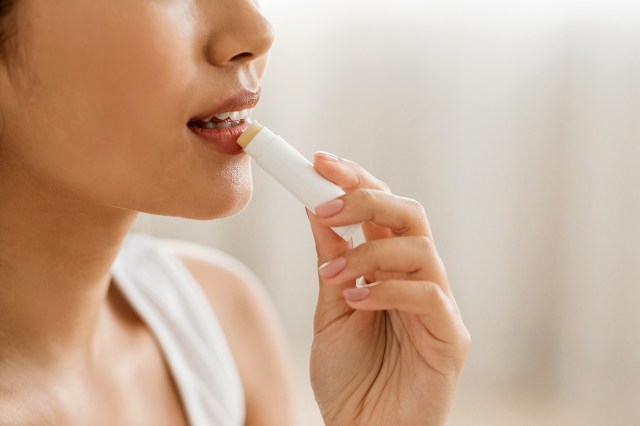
(391, 353)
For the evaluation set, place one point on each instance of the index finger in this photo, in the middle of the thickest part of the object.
(345, 173)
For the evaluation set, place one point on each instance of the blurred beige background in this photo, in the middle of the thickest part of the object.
(517, 125)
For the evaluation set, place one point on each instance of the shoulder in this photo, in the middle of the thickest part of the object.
(249, 321)
(227, 282)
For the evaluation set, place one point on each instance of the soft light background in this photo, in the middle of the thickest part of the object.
(517, 125)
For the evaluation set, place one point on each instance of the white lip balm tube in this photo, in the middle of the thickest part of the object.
(286, 165)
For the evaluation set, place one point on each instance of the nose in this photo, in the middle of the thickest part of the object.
(239, 33)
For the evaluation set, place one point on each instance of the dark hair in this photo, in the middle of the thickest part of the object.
(6, 26)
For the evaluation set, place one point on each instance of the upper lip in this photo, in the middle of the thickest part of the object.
(244, 99)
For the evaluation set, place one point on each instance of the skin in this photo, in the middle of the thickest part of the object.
(395, 349)
(94, 130)
(93, 116)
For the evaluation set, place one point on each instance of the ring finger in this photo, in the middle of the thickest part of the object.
(413, 256)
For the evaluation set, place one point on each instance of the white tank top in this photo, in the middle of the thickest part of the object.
(167, 297)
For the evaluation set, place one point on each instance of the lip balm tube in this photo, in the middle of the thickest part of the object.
(292, 170)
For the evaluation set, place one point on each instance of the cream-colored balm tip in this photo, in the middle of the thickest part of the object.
(247, 136)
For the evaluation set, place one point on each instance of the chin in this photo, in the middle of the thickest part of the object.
(223, 195)
(232, 202)
(227, 194)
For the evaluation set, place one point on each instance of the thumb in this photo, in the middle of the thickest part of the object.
(331, 301)
(329, 245)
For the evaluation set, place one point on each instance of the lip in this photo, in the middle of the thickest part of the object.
(225, 140)
(222, 140)
(244, 99)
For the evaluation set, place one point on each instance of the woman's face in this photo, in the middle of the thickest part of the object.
(97, 109)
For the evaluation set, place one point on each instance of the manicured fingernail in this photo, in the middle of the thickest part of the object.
(328, 156)
(332, 268)
(330, 208)
(356, 294)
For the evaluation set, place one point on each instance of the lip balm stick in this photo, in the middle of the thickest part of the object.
(286, 165)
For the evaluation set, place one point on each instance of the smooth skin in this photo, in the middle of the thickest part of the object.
(95, 101)
(391, 352)
(93, 113)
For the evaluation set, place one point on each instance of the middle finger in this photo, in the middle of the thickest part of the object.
(402, 216)
(414, 256)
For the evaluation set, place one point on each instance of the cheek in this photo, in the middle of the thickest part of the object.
(106, 81)
(111, 109)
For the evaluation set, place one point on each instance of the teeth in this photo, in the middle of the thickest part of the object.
(233, 115)
(222, 125)
(232, 118)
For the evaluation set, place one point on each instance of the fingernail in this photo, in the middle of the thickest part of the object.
(356, 294)
(328, 156)
(330, 208)
(332, 268)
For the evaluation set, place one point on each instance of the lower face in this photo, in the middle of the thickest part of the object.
(102, 110)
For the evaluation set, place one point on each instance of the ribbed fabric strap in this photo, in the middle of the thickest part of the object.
(171, 302)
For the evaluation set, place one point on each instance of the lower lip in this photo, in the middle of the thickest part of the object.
(222, 140)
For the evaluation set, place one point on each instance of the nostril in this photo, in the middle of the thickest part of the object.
(241, 57)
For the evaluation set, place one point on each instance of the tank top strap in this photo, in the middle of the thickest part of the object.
(175, 308)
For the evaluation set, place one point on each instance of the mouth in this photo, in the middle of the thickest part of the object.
(223, 120)
(220, 131)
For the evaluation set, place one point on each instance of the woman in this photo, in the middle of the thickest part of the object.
(101, 114)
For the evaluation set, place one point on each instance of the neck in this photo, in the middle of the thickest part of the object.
(55, 259)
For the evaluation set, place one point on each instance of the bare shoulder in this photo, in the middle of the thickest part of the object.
(248, 319)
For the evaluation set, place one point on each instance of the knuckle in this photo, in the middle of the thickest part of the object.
(355, 168)
(417, 208)
(361, 258)
(430, 298)
(437, 298)
(430, 292)
(367, 195)
(439, 263)
(364, 197)
(377, 183)
(367, 250)
(365, 177)
(465, 339)
(384, 186)
(350, 163)
(463, 344)
(424, 243)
